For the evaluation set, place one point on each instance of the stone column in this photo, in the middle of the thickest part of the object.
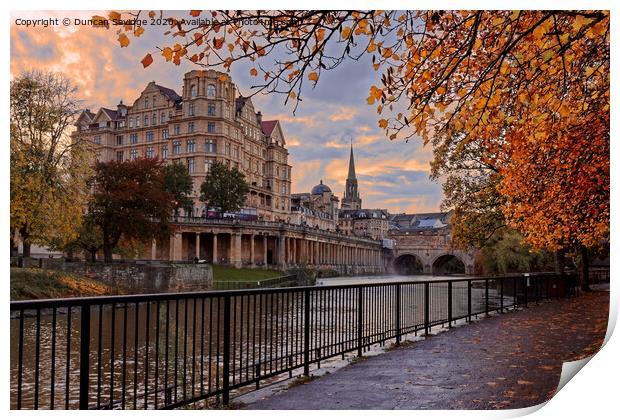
(153, 250)
(235, 248)
(215, 261)
(198, 244)
(282, 251)
(175, 246)
(264, 250)
(252, 250)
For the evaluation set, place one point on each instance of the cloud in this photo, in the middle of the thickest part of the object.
(391, 174)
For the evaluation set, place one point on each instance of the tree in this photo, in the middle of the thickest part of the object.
(178, 182)
(48, 169)
(224, 188)
(130, 201)
(528, 91)
(89, 239)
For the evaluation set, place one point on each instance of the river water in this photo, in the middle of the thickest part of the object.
(154, 353)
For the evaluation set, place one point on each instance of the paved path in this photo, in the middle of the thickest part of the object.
(508, 361)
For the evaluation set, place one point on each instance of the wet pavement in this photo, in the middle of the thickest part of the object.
(512, 360)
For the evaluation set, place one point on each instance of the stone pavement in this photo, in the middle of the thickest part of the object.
(506, 361)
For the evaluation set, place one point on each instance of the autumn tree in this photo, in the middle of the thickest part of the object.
(178, 182)
(89, 239)
(130, 202)
(48, 168)
(527, 92)
(224, 188)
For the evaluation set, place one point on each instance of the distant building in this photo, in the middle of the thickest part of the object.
(372, 223)
(318, 208)
(209, 122)
(420, 222)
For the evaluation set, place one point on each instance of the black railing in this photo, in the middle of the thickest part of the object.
(171, 350)
(282, 281)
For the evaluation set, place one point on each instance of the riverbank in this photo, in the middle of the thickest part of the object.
(36, 283)
(225, 273)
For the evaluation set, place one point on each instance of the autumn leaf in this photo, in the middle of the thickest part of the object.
(167, 53)
(123, 40)
(114, 15)
(218, 43)
(194, 13)
(253, 72)
(313, 76)
(147, 60)
(139, 31)
(346, 32)
(383, 123)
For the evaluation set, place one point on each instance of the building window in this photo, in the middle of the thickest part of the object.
(190, 109)
(190, 165)
(164, 133)
(176, 147)
(154, 119)
(146, 102)
(190, 127)
(227, 111)
(97, 139)
(211, 127)
(150, 136)
(177, 129)
(164, 152)
(150, 152)
(208, 165)
(146, 120)
(162, 118)
(130, 122)
(133, 155)
(119, 156)
(192, 91)
(133, 138)
(210, 146)
(227, 149)
(119, 140)
(211, 110)
(191, 146)
(210, 91)
(137, 121)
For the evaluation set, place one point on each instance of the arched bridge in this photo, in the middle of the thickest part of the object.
(427, 253)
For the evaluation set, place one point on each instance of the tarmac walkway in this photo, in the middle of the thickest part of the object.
(512, 360)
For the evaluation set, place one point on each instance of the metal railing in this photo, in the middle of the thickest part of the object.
(175, 349)
(258, 284)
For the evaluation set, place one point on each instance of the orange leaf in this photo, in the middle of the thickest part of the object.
(114, 15)
(167, 53)
(218, 43)
(253, 72)
(147, 60)
(313, 76)
(123, 40)
(139, 31)
(194, 13)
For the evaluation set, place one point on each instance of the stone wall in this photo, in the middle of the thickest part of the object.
(140, 277)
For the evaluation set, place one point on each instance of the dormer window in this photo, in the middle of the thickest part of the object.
(210, 91)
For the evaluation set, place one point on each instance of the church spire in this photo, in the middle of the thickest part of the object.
(351, 199)
(351, 165)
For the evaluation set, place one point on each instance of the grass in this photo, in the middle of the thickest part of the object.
(223, 273)
(36, 283)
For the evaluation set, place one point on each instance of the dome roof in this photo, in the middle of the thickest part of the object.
(320, 189)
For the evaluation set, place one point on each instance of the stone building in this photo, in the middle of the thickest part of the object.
(210, 121)
(371, 223)
(351, 199)
(318, 208)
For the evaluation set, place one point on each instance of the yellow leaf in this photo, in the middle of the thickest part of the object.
(167, 53)
(346, 32)
(123, 40)
(383, 123)
(313, 76)
(139, 31)
(371, 47)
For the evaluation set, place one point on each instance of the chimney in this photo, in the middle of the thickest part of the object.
(259, 117)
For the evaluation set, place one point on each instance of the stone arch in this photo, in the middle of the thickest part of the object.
(408, 264)
(449, 263)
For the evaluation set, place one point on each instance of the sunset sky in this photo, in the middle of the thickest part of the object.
(391, 174)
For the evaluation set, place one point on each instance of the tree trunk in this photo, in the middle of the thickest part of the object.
(560, 261)
(107, 247)
(585, 269)
(25, 242)
(93, 255)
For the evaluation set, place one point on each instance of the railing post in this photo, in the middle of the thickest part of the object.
(514, 289)
(536, 281)
(226, 361)
(360, 324)
(307, 332)
(426, 309)
(525, 285)
(398, 313)
(468, 300)
(84, 355)
(486, 297)
(501, 295)
(449, 304)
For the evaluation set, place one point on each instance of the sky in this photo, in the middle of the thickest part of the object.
(393, 175)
